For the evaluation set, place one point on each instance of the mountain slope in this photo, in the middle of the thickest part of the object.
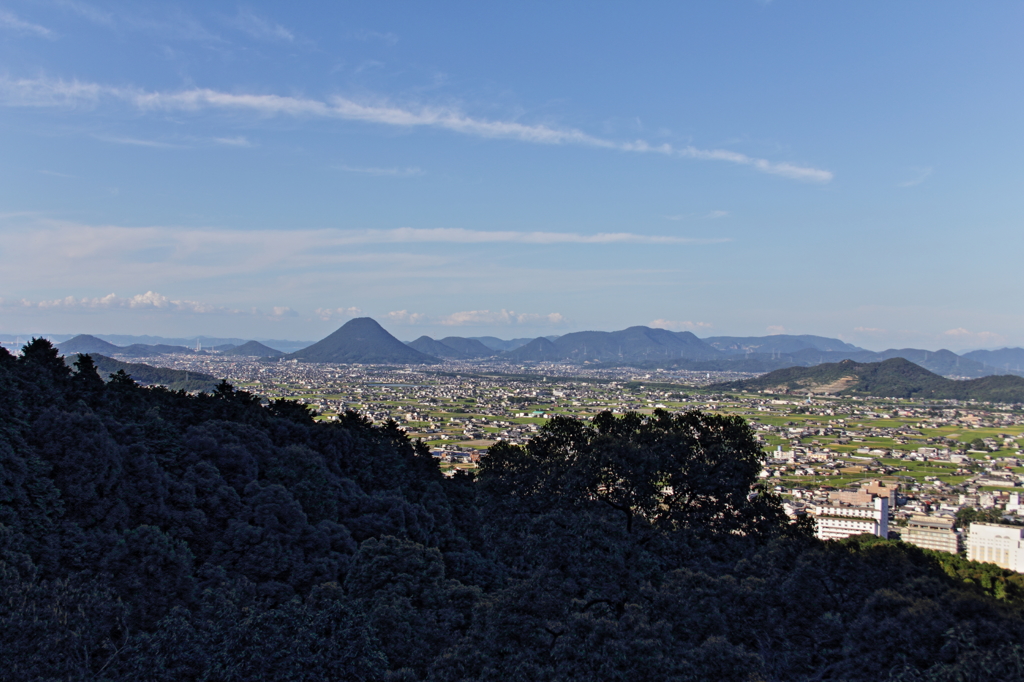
(469, 347)
(632, 345)
(778, 343)
(142, 350)
(1011, 359)
(538, 350)
(499, 345)
(430, 346)
(253, 348)
(362, 340)
(635, 344)
(84, 343)
(147, 375)
(893, 378)
(940, 361)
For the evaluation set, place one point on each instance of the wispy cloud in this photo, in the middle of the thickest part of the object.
(408, 171)
(476, 318)
(88, 12)
(135, 142)
(919, 173)
(233, 141)
(679, 325)
(63, 253)
(775, 329)
(455, 235)
(327, 314)
(9, 21)
(964, 337)
(68, 247)
(48, 92)
(482, 318)
(147, 301)
(405, 317)
(387, 38)
(165, 20)
(710, 215)
(56, 174)
(261, 28)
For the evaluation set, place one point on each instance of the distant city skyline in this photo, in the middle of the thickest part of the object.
(731, 169)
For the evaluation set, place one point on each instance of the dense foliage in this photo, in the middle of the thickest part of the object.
(147, 534)
(174, 379)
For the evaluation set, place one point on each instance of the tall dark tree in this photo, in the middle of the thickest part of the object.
(671, 471)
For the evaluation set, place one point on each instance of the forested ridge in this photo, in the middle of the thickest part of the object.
(148, 534)
(893, 378)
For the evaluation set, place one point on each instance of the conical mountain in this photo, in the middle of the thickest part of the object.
(253, 348)
(86, 343)
(362, 341)
(538, 350)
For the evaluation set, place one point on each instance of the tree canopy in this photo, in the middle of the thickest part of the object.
(152, 534)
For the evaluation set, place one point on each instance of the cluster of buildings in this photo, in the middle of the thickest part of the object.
(870, 509)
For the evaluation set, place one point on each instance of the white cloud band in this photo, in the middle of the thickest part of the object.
(147, 301)
(10, 21)
(48, 92)
(477, 318)
(678, 325)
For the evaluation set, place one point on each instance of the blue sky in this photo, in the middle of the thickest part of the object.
(728, 168)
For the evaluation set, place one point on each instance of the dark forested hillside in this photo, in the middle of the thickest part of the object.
(147, 534)
(147, 375)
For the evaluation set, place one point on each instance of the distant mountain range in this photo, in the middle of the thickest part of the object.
(439, 349)
(204, 342)
(658, 348)
(892, 378)
(85, 343)
(635, 344)
(779, 343)
(942, 362)
(364, 341)
(1010, 359)
(499, 345)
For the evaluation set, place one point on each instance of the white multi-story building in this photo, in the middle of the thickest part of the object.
(838, 521)
(931, 532)
(998, 544)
